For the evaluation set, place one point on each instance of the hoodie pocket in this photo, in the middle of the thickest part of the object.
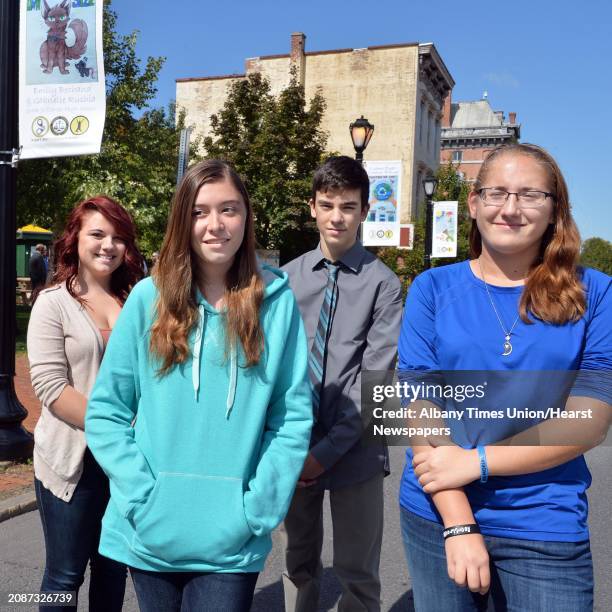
(189, 517)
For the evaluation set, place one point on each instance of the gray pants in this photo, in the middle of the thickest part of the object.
(357, 519)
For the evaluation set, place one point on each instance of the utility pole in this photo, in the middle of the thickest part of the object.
(15, 441)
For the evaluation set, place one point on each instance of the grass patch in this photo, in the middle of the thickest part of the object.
(23, 318)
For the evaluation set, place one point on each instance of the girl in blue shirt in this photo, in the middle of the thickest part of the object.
(521, 304)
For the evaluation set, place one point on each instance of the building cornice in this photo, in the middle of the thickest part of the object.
(393, 46)
(434, 74)
(485, 132)
(211, 78)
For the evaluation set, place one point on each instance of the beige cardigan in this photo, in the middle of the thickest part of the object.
(64, 348)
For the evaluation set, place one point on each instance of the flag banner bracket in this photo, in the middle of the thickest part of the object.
(15, 155)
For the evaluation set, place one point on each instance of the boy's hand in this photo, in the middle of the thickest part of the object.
(312, 469)
(303, 484)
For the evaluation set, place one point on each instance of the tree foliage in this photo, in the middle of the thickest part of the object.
(597, 253)
(275, 143)
(409, 263)
(138, 159)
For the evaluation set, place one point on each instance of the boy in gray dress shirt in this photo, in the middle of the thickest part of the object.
(351, 304)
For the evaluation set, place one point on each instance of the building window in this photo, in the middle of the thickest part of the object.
(421, 121)
(457, 156)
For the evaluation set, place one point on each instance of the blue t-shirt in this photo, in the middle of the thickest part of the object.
(449, 324)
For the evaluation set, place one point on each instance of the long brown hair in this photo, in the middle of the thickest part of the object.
(175, 277)
(66, 247)
(553, 290)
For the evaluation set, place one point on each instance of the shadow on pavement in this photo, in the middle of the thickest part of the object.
(270, 598)
(404, 604)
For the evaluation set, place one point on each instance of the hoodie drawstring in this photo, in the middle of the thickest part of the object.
(197, 352)
(231, 392)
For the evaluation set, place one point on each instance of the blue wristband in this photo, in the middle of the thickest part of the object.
(484, 468)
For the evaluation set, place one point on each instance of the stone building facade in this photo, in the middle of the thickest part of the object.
(470, 130)
(398, 88)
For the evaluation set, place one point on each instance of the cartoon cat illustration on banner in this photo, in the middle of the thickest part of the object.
(54, 51)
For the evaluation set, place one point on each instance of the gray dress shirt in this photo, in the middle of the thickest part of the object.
(363, 336)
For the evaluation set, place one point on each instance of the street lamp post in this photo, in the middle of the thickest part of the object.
(429, 184)
(361, 134)
(15, 442)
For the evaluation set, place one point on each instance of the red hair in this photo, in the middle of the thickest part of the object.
(66, 247)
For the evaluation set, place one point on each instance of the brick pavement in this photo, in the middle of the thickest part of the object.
(17, 478)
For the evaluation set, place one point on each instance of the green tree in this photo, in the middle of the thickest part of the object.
(275, 143)
(409, 263)
(597, 253)
(138, 159)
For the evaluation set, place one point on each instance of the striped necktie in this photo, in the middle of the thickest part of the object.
(318, 354)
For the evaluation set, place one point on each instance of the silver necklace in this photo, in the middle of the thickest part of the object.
(507, 333)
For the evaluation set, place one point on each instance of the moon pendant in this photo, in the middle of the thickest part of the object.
(507, 348)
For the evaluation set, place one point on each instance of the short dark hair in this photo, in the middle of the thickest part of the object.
(341, 172)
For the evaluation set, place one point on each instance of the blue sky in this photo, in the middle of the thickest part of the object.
(549, 61)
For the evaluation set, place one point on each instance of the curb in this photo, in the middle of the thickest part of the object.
(20, 504)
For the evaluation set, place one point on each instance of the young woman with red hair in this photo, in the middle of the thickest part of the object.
(97, 263)
(481, 515)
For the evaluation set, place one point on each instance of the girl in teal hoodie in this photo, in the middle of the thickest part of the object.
(201, 412)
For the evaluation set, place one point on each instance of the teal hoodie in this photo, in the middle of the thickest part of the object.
(202, 462)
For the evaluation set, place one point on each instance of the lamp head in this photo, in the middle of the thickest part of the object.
(361, 134)
(429, 184)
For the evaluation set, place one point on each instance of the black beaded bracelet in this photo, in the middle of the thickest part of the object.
(457, 530)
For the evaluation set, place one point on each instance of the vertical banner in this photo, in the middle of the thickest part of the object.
(382, 225)
(444, 229)
(62, 97)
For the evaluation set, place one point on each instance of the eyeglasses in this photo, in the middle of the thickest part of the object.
(493, 196)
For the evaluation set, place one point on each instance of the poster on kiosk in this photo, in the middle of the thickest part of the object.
(382, 225)
(62, 97)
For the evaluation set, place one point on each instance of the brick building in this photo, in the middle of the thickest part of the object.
(398, 88)
(470, 130)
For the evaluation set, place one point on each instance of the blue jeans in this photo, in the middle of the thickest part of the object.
(188, 591)
(526, 575)
(72, 535)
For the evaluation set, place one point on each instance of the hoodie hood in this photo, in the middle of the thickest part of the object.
(274, 280)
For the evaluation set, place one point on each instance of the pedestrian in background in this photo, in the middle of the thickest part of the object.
(201, 414)
(97, 263)
(38, 270)
(351, 304)
(515, 516)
